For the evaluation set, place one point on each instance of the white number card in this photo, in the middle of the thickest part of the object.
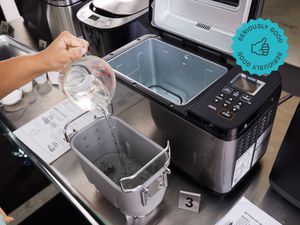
(189, 201)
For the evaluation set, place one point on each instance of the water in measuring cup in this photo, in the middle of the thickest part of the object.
(86, 91)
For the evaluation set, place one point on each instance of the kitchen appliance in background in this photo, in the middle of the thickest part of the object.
(284, 177)
(217, 117)
(110, 24)
(34, 15)
(2, 18)
(61, 16)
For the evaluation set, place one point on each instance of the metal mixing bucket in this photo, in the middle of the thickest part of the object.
(138, 190)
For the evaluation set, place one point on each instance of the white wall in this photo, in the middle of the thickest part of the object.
(9, 9)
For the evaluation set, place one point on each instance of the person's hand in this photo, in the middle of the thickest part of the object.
(8, 219)
(4, 217)
(64, 49)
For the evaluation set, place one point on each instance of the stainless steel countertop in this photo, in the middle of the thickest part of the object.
(67, 174)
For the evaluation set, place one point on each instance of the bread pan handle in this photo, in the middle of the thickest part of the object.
(68, 137)
(166, 151)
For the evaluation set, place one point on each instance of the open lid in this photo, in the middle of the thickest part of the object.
(207, 22)
(119, 7)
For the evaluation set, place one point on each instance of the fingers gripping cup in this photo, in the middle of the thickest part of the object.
(89, 82)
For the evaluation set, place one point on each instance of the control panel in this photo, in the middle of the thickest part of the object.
(235, 95)
(89, 17)
(233, 99)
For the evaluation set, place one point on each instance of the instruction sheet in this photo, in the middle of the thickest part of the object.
(246, 213)
(44, 134)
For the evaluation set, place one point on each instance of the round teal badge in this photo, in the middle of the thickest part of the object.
(260, 47)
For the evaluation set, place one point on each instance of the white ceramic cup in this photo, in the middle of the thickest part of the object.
(27, 87)
(12, 98)
(41, 79)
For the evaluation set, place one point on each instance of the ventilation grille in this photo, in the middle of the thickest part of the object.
(255, 131)
(203, 26)
(266, 121)
(247, 140)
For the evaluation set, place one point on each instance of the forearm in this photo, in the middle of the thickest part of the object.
(18, 71)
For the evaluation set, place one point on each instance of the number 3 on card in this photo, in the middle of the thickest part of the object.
(189, 201)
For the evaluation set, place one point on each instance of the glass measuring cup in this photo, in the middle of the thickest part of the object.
(89, 83)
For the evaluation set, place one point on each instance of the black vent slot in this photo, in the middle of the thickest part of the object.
(203, 26)
(266, 121)
(247, 140)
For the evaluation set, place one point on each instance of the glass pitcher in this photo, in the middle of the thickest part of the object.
(89, 83)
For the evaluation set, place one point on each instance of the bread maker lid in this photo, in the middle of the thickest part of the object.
(212, 23)
(121, 7)
(62, 3)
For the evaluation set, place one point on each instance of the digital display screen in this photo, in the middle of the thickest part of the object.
(229, 2)
(247, 84)
(93, 17)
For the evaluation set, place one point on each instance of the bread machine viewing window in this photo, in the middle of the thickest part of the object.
(229, 2)
(93, 17)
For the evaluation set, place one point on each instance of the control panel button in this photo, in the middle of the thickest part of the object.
(226, 114)
(237, 106)
(230, 99)
(227, 90)
(234, 109)
(240, 104)
(221, 95)
(225, 104)
(236, 93)
(212, 107)
(245, 98)
(216, 100)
